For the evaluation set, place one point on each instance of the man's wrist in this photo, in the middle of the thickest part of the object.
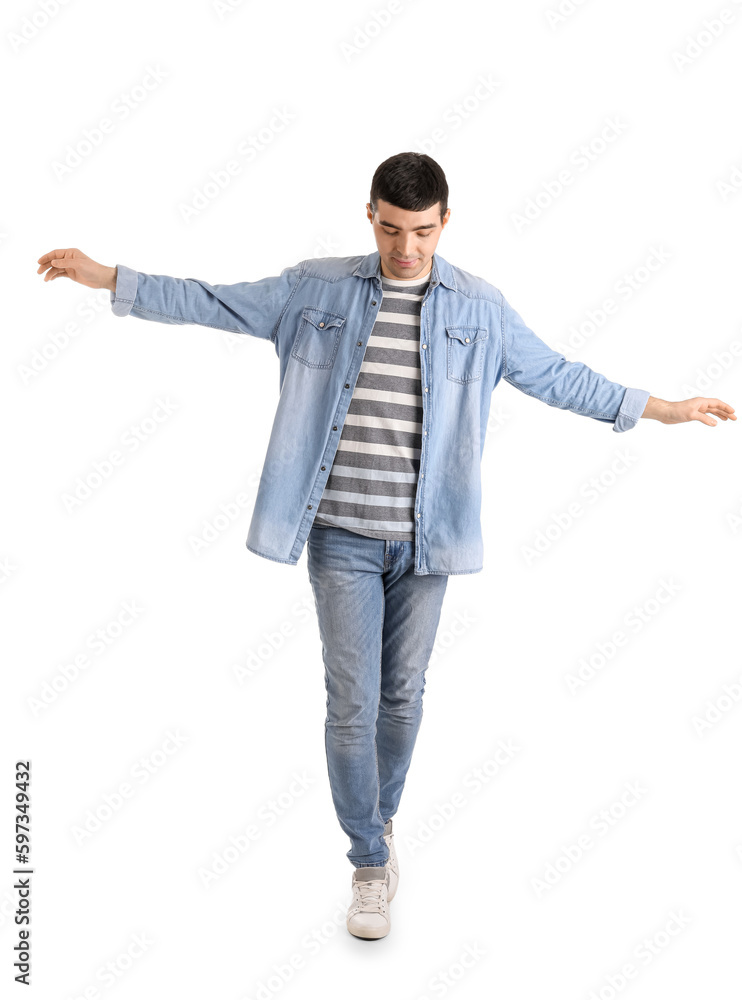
(110, 285)
(656, 409)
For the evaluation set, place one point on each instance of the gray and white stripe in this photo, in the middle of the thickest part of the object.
(372, 484)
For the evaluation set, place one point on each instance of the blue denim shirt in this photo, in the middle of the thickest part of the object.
(318, 314)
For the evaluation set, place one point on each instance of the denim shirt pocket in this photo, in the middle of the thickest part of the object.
(317, 339)
(465, 346)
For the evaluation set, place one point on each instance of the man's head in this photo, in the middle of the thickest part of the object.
(408, 210)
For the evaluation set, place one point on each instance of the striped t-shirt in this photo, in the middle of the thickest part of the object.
(373, 481)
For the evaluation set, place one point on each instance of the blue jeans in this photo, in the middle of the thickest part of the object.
(377, 622)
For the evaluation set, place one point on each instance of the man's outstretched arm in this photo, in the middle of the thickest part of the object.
(532, 366)
(251, 307)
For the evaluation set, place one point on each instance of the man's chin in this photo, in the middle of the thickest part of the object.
(412, 269)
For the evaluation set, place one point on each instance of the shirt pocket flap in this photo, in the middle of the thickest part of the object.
(321, 319)
(467, 334)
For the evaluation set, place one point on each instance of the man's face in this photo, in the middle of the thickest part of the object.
(403, 236)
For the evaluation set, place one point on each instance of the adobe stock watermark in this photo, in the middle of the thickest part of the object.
(444, 980)
(599, 824)
(269, 813)
(623, 290)
(713, 370)
(7, 569)
(642, 956)
(734, 518)
(473, 782)
(97, 642)
(714, 711)
(139, 774)
(365, 32)
(228, 513)
(311, 944)
(222, 8)
(496, 420)
(590, 491)
(562, 12)
(248, 149)
(446, 637)
(325, 246)
(110, 973)
(711, 29)
(274, 639)
(731, 185)
(34, 23)
(52, 347)
(580, 159)
(633, 622)
(459, 113)
(119, 110)
(129, 443)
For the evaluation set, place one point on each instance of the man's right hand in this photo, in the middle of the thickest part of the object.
(78, 266)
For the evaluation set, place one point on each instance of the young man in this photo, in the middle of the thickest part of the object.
(387, 366)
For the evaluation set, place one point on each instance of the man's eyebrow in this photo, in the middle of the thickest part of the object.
(390, 225)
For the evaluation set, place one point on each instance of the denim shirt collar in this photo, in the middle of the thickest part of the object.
(370, 267)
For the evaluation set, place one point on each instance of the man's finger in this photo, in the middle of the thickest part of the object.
(48, 256)
(723, 414)
(719, 404)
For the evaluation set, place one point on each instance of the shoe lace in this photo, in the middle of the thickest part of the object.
(371, 893)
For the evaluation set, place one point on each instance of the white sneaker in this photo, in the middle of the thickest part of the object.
(392, 865)
(368, 914)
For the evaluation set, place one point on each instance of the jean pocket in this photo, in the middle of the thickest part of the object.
(317, 339)
(465, 352)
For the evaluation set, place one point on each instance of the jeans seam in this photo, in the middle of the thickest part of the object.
(376, 749)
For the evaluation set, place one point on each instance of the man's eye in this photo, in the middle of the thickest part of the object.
(394, 233)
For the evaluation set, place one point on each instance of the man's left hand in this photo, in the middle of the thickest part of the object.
(698, 408)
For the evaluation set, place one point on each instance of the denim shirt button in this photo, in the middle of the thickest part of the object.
(347, 385)
(334, 427)
(374, 302)
(309, 507)
(322, 468)
(359, 343)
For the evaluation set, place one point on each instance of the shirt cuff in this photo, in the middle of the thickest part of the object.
(632, 407)
(126, 290)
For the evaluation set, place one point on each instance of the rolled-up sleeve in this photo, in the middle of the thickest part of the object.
(126, 290)
(632, 407)
(531, 366)
(250, 307)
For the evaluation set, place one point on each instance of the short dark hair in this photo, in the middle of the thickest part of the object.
(412, 181)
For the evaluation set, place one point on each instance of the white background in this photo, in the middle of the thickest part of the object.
(471, 856)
